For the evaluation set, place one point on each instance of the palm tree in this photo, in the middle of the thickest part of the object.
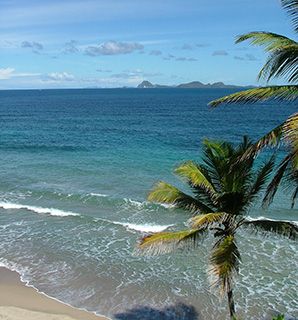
(223, 189)
(281, 62)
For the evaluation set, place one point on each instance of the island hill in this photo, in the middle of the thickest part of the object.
(190, 85)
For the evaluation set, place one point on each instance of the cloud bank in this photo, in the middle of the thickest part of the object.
(113, 48)
(35, 46)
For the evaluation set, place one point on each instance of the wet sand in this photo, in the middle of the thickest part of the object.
(19, 302)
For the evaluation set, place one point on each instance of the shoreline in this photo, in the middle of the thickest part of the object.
(20, 301)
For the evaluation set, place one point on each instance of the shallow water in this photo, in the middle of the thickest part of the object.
(76, 166)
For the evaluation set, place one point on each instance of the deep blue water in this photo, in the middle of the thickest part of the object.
(97, 153)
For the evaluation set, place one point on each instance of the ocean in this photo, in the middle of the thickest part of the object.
(76, 168)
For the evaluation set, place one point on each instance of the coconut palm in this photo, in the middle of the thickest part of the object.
(282, 62)
(223, 187)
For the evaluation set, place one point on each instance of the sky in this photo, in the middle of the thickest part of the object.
(115, 43)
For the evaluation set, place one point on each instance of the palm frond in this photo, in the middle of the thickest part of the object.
(275, 182)
(165, 242)
(270, 139)
(282, 60)
(281, 63)
(205, 220)
(291, 6)
(290, 129)
(166, 193)
(284, 228)
(270, 41)
(194, 175)
(280, 93)
(262, 176)
(294, 197)
(225, 259)
(217, 160)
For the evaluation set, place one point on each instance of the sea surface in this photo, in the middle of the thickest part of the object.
(76, 167)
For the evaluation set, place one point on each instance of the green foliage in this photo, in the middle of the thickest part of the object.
(291, 7)
(279, 317)
(284, 228)
(225, 184)
(225, 259)
(282, 61)
(206, 220)
(270, 41)
(194, 175)
(165, 193)
(286, 92)
(223, 187)
(165, 242)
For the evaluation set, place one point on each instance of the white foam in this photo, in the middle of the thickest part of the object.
(145, 203)
(249, 218)
(143, 227)
(167, 205)
(51, 211)
(98, 195)
(134, 202)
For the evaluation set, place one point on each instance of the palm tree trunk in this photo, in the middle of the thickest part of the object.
(231, 302)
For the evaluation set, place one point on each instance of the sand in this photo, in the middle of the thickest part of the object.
(19, 302)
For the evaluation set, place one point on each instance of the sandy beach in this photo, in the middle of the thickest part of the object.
(19, 302)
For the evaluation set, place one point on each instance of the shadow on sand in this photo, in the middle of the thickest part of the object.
(179, 311)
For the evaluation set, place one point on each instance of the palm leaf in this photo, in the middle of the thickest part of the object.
(271, 139)
(290, 129)
(270, 41)
(294, 197)
(166, 193)
(291, 6)
(284, 228)
(275, 182)
(281, 63)
(287, 92)
(194, 175)
(225, 259)
(283, 54)
(205, 220)
(165, 242)
(261, 178)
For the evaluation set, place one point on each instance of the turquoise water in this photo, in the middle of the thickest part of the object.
(76, 166)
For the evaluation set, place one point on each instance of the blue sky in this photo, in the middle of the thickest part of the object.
(112, 43)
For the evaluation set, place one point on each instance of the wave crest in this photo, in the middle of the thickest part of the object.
(50, 211)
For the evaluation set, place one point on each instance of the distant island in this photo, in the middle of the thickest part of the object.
(191, 85)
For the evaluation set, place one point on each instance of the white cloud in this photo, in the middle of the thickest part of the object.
(248, 57)
(220, 53)
(59, 77)
(186, 59)
(35, 46)
(71, 47)
(6, 73)
(135, 74)
(172, 57)
(113, 48)
(8, 44)
(155, 53)
(187, 46)
(104, 70)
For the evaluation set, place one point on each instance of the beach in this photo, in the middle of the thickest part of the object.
(20, 302)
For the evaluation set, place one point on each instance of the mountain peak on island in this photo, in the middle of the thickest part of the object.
(146, 84)
(191, 85)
